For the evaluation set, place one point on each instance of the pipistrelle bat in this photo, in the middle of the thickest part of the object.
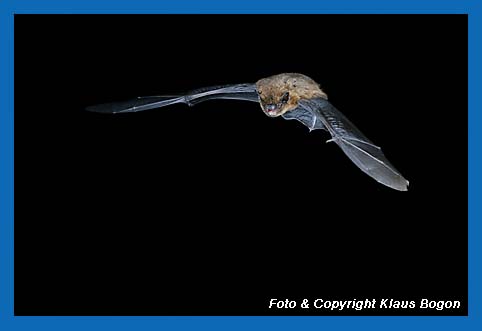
(292, 96)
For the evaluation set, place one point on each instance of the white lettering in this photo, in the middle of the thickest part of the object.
(439, 305)
(282, 304)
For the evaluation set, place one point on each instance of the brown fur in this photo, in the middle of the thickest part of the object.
(271, 90)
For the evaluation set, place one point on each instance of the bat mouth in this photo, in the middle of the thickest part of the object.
(271, 110)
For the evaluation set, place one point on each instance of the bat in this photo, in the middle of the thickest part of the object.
(292, 96)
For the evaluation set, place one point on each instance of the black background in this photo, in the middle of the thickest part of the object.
(216, 209)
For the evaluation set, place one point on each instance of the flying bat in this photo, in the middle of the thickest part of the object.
(292, 96)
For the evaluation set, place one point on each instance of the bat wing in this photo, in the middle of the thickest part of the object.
(245, 92)
(306, 117)
(321, 114)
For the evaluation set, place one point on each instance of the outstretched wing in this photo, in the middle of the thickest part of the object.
(239, 92)
(319, 113)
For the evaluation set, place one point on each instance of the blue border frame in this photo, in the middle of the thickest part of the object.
(9, 322)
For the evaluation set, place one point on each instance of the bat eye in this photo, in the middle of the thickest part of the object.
(285, 97)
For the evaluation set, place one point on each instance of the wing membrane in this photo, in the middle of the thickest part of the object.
(366, 155)
(245, 92)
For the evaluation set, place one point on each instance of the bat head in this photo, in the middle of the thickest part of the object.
(275, 104)
(279, 94)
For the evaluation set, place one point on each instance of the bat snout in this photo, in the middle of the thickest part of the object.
(271, 110)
